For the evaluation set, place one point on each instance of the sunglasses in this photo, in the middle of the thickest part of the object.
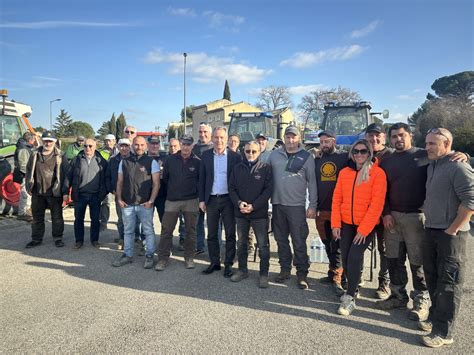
(130, 132)
(251, 151)
(88, 145)
(437, 131)
(360, 151)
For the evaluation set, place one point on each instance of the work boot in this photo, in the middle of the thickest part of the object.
(392, 302)
(189, 263)
(383, 291)
(161, 265)
(25, 217)
(239, 276)
(123, 260)
(282, 276)
(148, 262)
(302, 282)
(420, 310)
(263, 281)
(32, 244)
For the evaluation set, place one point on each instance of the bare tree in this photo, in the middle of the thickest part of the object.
(316, 100)
(273, 97)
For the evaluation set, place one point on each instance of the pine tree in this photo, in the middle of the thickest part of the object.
(226, 91)
(120, 125)
(113, 125)
(62, 127)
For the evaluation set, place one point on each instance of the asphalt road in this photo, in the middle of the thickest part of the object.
(64, 300)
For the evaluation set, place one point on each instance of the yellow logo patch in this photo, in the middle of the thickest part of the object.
(328, 171)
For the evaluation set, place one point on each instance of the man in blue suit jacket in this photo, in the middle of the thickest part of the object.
(216, 167)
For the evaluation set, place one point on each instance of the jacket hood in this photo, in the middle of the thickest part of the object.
(23, 144)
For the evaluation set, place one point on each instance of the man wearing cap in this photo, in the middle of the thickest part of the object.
(328, 165)
(86, 177)
(107, 151)
(293, 174)
(263, 143)
(181, 175)
(74, 148)
(111, 182)
(216, 167)
(153, 143)
(204, 143)
(138, 182)
(44, 177)
(375, 134)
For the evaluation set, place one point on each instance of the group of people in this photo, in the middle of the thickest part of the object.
(414, 202)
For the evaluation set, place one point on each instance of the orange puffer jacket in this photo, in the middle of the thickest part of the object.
(360, 205)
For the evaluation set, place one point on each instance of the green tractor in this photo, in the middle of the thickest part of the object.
(12, 116)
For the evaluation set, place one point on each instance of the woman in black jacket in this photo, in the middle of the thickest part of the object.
(250, 188)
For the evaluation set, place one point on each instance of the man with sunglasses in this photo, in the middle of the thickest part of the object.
(86, 177)
(293, 174)
(44, 179)
(250, 188)
(130, 133)
(448, 208)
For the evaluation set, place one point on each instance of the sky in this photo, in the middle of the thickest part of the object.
(104, 57)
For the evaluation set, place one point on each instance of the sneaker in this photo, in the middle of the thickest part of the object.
(78, 245)
(189, 263)
(383, 291)
(32, 244)
(425, 326)
(302, 282)
(356, 295)
(148, 262)
(282, 277)
(239, 276)
(161, 265)
(59, 243)
(199, 252)
(392, 302)
(123, 260)
(420, 310)
(347, 305)
(120, 244)
(435, 341)
(263, 281)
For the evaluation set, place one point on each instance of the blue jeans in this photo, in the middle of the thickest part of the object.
(130, 215)
(80, 206)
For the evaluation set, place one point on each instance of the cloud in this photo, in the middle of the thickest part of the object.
(223, 21)
(306, 59)
(362, 32)
(56, 24)
(186, 12)
(301, 90)
(398, 117)
(203, 68)
(45, 78)
(406, 97)
(230, 49)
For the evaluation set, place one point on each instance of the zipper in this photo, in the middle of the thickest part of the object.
(352, 202)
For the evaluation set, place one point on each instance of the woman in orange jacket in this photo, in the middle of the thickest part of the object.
(357, 205)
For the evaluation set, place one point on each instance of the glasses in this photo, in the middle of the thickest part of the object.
(130, 132)
(88, 145)
(251, 151)
(359, 151)
(437, 131)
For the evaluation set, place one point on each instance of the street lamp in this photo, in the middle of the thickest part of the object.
(184, 112)
(50, 113)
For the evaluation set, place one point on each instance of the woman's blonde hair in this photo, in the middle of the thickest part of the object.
(364, 171)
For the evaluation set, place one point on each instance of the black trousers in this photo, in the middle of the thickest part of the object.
(383, 272)
(39, 204)
(353, 256)
(260, 227)
(444, 260)
(221, 207)
(291, 221)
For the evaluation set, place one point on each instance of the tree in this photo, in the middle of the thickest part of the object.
(79, 128)
(62, 125)
(108, 127)
(273, 97)
(39, 129)
(113, 125)
(226, 95)
(189, 114)
(459, 85)
(120, 125)
(314, 102)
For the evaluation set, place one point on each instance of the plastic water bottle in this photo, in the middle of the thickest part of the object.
(318, 251)
(313, 251)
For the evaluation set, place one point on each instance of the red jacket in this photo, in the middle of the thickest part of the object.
(360, 205)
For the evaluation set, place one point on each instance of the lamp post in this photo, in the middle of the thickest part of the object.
(184, 112)
(50, 113)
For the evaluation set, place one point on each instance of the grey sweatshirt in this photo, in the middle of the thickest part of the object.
(289, 189)
(448, 185)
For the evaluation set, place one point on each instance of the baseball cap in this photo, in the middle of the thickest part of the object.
(292, 130)
(110, 137)
(153, 139)
(186, 139)
(260, 135)
(80, 138)
(124, 141)
(48, 136)
(374, 127)
(327, 133)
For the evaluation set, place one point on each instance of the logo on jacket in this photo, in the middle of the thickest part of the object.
(328, 171)
(257, 177)
(192, 168)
